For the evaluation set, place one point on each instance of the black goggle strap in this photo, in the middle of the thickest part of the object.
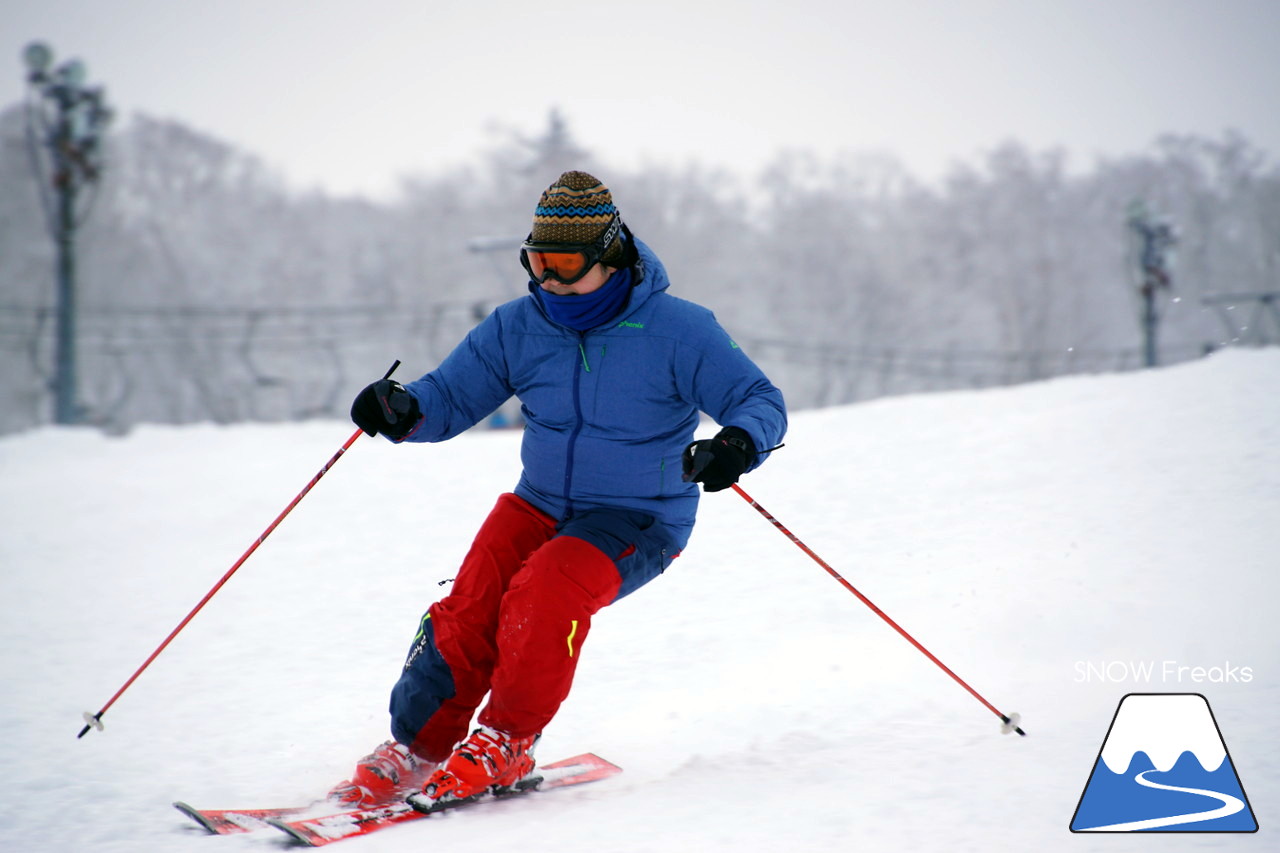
(615, 227)
(591, 251)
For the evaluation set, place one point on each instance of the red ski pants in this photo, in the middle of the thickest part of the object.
(512, 627)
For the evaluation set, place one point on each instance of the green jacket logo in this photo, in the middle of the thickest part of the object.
(629, 325)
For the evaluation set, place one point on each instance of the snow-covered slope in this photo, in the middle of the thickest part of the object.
(1034, 538)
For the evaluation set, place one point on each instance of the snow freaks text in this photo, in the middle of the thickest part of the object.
(1166, 671)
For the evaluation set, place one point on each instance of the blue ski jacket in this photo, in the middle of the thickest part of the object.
(607, 412)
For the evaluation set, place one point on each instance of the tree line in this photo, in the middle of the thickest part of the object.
(210, 291)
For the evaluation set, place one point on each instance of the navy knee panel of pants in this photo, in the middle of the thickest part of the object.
(424, 685)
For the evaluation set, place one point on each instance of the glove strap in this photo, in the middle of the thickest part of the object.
(737, 438)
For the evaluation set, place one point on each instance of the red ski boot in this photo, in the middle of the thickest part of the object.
(385, 775)
(487, 759)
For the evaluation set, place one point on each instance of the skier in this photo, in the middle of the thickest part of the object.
(611, 372)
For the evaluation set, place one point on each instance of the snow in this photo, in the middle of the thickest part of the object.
(1034, 538)
(1163, 727)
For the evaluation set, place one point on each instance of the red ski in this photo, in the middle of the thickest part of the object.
(231, 821)
(319, 831)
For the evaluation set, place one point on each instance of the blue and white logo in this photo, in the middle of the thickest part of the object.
(1164, 767)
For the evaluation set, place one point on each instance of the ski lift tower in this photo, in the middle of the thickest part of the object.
(70, 119)
(1156, 239)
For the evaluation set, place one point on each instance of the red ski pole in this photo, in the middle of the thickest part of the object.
(1010, 720)
(94, 721)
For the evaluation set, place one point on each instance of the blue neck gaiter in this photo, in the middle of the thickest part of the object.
(586, 311)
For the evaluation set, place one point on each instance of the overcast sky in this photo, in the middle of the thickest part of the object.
(351, 94)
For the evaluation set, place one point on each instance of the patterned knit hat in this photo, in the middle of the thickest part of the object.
(577, 208)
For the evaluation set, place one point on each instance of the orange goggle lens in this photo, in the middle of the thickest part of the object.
(568, 267)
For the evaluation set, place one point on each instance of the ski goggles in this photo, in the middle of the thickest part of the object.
(566, 262)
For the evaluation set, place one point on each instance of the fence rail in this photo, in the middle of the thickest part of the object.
(182, 364)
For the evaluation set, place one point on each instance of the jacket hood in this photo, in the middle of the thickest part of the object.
(649, 276)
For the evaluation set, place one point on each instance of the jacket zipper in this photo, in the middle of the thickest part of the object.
(577, 425)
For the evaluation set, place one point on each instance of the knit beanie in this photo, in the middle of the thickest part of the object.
(578, 208)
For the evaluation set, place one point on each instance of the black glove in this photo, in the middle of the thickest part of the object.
(718, 462)
(385, 407)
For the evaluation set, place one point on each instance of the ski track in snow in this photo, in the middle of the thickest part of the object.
(754, 704)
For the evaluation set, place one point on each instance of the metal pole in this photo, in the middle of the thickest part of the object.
(1149, 323)
(73, 135)
(1156, 239)
(67, 408)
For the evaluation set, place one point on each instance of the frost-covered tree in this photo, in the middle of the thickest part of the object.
(209, 291)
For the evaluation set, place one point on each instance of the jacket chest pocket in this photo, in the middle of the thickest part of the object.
(625, 393)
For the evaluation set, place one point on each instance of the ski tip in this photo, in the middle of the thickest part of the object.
(586, 759)
(295, 834)
(602, 762)
(194, 813)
